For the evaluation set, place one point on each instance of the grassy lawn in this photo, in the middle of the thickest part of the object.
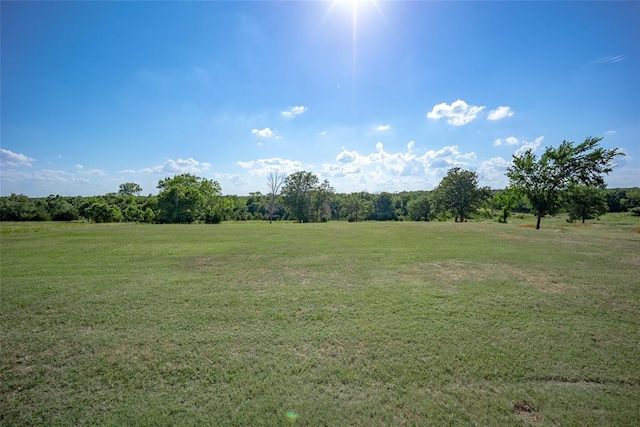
(365, 324)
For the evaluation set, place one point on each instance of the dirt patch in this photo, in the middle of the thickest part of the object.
(526, 410)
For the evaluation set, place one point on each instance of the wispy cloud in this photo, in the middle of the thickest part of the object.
(294, 111)
(500, 113)
(611, 59)
(10, 159)
(459, 113)
(382, 128)
(263, 133)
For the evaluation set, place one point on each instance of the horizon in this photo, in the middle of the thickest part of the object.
(376, 96)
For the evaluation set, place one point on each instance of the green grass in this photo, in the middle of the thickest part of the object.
(341, 323)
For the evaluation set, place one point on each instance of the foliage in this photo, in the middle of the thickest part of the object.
(129, 189)
(506, 201)
(544, 180)
(356, 207)
(186, 198)
(297, 194)
(102, 212)
(584, 202)
(419, 208)
(458, 192)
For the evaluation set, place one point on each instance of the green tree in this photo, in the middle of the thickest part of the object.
(506, 200)
(585, 202)
(321, 201)
(458, 192)
(544, 180)
(103, 212)
(186, 198)
(384, 208)
(419, 208)
(296, 194)
(129, 189)
(356, 207)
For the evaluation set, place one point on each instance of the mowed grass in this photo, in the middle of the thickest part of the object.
(354, 324)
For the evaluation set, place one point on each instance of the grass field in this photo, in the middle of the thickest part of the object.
(396, 323)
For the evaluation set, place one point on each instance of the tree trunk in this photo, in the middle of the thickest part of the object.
(538, 222)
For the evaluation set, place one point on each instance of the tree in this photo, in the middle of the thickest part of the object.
(103, 212)
(129, 189)
(419, 208)
(296, 194)
(506, 201)
(186, 198)
(275, 180)
(356, 207)
(322, 201)
(585, 202)
(458, 192)
(384, 210)
(544, 180)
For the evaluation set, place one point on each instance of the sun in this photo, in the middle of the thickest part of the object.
(351, 7)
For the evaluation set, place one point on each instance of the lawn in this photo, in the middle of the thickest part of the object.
(252, 324)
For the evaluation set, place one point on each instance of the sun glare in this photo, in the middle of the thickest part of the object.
(351, 7)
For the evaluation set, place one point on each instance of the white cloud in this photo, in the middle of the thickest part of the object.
(10, 159)
(382, 128)
(492, 172)
(500, 113)
(262, 167)
(294, 111)
(459, 113)
(611, 132)
(512, 140)
(263, 133)
(406, 164)
(526, 145)
(179, 166)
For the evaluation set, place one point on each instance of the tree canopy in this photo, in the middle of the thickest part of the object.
(187, 198)
(543, 180)
(297, 193)
(458, 192)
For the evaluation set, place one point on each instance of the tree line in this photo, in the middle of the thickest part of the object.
(565, 179)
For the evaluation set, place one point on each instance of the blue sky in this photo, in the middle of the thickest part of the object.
(372, 96)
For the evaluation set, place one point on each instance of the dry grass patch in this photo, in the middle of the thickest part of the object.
(457, 272)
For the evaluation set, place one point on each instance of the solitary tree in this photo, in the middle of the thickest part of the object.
(543, 180)
(296, 194)
(459, 193)
(186, 198)
(275, 180)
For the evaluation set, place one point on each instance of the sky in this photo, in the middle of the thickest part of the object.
(370, 95)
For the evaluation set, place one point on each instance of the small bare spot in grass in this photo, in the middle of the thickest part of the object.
(525, 410)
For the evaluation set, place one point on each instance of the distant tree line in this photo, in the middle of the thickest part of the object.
(567, 179)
